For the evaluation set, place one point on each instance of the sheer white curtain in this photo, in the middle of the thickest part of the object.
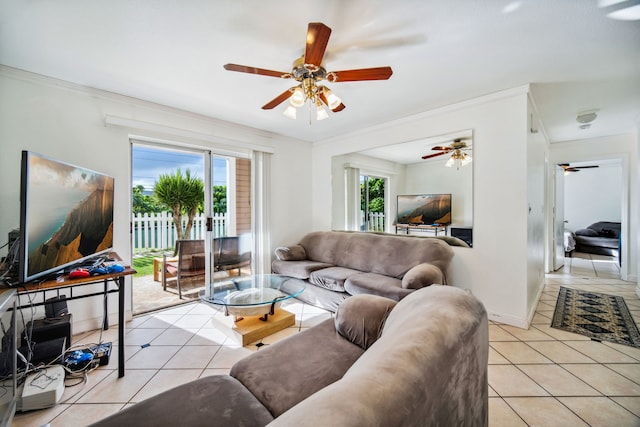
(260, 215)
(352, 198)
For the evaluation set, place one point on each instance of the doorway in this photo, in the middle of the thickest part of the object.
(163, 179)
(592, 191)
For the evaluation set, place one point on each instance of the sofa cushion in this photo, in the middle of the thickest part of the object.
(218, 400)
(422, 275)
(297, 269)
(332, 277)
(282, 374)
(361, 317)
(376, 284)
(291, 253)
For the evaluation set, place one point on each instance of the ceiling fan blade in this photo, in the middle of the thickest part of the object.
(585, 167)
(441, 147)
(378, 73)
(323, 98)
(277, 100)
(428, 156)
(317, 39)
(254, 70)
(571, 170)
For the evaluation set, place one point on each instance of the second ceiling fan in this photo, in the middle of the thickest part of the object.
(458, 149)
(309, 71)
(568, 168)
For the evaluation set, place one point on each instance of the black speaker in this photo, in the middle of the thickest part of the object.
(43, 352)
(462, 233)
(56, 307)
(48, 329)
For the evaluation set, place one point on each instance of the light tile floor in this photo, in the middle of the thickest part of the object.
(537, 377)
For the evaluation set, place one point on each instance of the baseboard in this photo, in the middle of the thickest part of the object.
(91, 324)
(518, 322)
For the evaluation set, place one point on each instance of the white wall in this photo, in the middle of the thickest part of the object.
(495, 269)
(67, 122)
(593, 195)
(537, 153)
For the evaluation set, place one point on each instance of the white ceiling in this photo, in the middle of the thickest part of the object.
(441, 52)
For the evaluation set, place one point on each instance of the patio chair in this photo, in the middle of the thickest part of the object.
(230, 253)
(188, 262)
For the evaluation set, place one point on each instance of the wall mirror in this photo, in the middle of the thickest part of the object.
(366, 186)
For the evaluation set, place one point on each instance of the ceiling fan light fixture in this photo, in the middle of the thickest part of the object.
(290, 112)
(466, 159)
(332, 99)
(624, 10)
(321, 113)
(631, 13)
(450, 162)
(297, 99)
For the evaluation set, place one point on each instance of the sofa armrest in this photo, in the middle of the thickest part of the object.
(291, 253)
(422, 275)
(360, 318)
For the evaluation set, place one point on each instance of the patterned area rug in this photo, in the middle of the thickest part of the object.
(600, 317)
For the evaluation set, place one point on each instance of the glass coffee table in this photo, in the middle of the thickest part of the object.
(254, 302)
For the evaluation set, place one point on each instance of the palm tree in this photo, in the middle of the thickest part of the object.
(182, 194)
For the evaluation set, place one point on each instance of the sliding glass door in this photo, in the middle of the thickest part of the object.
(232, 230)
(372, 203)
(181, 194)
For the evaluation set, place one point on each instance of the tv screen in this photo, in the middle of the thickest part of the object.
(424, 209)
(66, 215)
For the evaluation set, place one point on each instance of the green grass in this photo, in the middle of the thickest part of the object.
(143, 266)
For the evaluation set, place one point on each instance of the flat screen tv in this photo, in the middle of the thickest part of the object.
(66, 215)
(424, 209)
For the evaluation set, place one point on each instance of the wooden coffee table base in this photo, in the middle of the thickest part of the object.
(251, 328)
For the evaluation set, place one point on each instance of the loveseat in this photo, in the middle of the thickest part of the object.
(338, 264)
(418, 362)
(601, 238)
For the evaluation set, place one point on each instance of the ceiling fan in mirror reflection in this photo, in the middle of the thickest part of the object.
(459, 153)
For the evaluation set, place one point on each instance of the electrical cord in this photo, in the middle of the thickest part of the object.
(80, 372)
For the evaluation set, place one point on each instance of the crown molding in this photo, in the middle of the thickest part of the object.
(250, 134)
(484, 99)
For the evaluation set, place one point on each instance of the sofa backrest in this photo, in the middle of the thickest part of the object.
(606, 229)
(386, 254)
(427, 368)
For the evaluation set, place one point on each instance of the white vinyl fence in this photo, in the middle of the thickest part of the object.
(375, 221)
(157, 231)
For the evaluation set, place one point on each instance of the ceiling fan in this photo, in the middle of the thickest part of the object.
(458, 149)
(309, 71)
(568, 168)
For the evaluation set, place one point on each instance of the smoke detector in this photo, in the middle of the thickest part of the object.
(586, 117)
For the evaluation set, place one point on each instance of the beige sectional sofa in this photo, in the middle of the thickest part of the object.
(418, 362)
(338, 264)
